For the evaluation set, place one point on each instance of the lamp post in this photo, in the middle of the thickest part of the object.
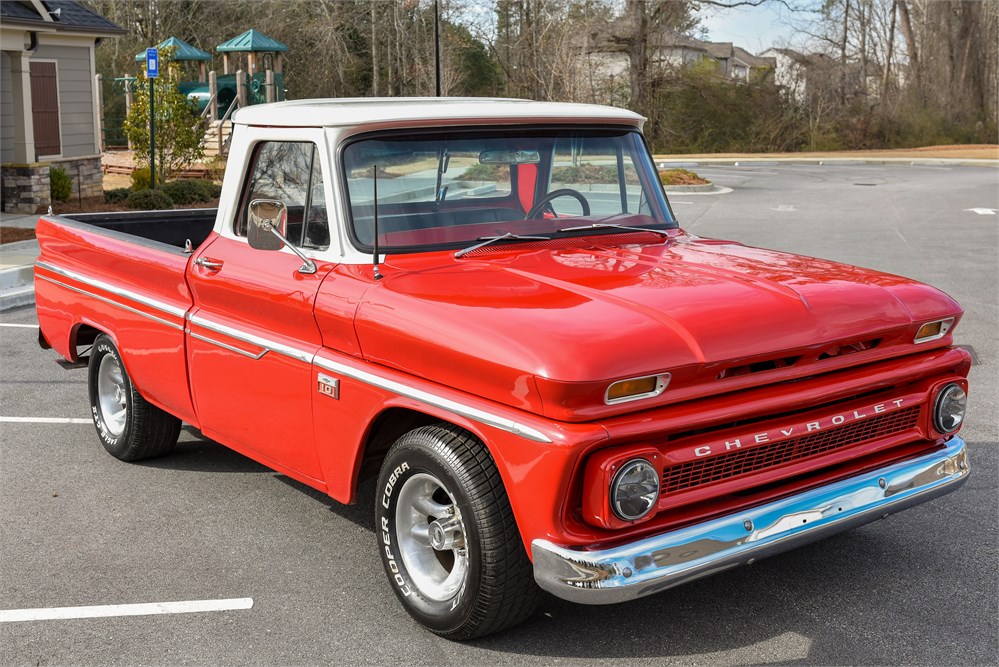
(437, 45)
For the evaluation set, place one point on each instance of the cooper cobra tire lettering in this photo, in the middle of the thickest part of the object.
(102, 429)
(447, 537)
(143, 430)
(390, 484)
(390, 559)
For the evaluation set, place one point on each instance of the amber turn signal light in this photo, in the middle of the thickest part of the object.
(635, 388)
(933, 330)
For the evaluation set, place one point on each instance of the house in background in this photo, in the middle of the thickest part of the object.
(608, 60)
(799, 74)
(747, 67)
(49, 101)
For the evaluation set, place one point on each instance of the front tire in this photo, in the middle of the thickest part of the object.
(129, 427)
(447, 536)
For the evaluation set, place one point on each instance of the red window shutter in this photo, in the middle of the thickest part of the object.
(45, 108)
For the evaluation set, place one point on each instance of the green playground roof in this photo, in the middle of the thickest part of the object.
(184, 51)
(251, 40)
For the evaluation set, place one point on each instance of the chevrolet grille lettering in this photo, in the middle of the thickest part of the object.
(796, 429)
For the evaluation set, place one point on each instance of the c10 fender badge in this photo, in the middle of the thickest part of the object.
(328, 386)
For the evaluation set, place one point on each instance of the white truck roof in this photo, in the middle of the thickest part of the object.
(408, 111)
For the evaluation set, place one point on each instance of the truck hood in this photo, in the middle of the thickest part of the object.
(503, 321)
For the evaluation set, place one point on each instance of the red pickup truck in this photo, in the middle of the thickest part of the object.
(489, 304)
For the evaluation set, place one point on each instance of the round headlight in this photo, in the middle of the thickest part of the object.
(634, 490)
(948, 410)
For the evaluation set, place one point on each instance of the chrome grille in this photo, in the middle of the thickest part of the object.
(763, 457)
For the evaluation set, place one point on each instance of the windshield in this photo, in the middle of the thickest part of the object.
(451, 189)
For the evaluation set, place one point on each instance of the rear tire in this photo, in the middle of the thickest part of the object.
(129, 427)
(447, 536)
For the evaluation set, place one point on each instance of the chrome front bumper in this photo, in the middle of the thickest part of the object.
(656, 563)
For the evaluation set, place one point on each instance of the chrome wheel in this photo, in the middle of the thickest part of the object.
(431, 537)
(112, 395)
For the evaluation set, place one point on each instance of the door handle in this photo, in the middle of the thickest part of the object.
(209, 264)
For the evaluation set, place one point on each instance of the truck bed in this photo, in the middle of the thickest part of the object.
(123, 274)
(172, 228)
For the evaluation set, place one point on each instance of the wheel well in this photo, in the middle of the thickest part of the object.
(82, 335)
(388, 427)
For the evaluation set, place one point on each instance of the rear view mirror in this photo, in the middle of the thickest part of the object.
(266, 217)
(509, 157)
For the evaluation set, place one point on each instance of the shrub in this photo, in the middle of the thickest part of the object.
(481, 172)
(116, 196)
(216, 168)
(141, 179)
(60, 185)
(208, 189)
(192, 191)
(185, 192)
(149, 200)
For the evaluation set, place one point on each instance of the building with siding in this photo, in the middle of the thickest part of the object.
(49, 100)
(669, 51)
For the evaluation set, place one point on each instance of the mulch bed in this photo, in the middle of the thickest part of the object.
(15, 234)
(681, 177)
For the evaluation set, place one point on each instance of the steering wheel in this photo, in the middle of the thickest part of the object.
(554, 194)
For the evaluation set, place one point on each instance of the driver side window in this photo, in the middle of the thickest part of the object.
(289, 172)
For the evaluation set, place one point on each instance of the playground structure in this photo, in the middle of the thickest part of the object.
(251, 74)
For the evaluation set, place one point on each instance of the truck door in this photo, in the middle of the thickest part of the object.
(252, 330)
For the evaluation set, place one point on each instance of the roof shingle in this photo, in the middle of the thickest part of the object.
(69, 16)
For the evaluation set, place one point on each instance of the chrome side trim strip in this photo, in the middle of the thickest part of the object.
(230, 347)
(253, 339)
(110, 302)
(118, 291)
(653, 564)
(474, 414)
(431, 399)
(294, 353)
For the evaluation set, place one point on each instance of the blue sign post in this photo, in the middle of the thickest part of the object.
(152, 71)
(152, 63)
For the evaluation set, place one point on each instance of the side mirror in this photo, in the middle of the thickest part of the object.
(267, 228)
(266, 217)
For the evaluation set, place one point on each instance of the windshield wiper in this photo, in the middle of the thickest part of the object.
(487, 240)
(611, 225)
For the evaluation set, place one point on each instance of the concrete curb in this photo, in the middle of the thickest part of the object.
(17, 287)
(682, 189)
(17, 274)
(676, 161)
(17, 298)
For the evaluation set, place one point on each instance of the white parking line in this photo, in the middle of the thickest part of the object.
(19, 326)
(104, 611)
(45, 420)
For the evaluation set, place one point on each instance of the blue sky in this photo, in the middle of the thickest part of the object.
(753, 28)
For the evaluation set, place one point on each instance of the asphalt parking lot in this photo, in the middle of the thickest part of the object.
(81, 528)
